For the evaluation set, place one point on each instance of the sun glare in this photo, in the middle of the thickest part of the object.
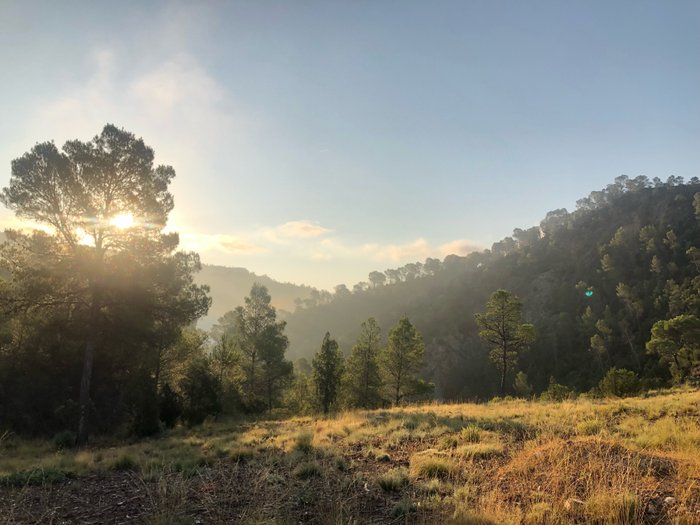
(123, 221)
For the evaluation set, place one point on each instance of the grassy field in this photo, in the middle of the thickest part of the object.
(616, 461)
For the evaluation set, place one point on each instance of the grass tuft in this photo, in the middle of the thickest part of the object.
(480, 450)
(307, 470)
(393, 480)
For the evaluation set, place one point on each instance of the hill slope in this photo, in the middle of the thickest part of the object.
(612, 461)
(230, 285)
(633, 245)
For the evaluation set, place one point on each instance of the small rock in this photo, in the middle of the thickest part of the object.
(669, 500)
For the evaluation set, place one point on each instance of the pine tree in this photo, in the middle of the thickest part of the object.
(502, 328)
(327, 367)
(361, 380)
(402, 361)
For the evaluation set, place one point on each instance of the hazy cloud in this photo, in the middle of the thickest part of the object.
(202, 242)
(459, 247)
(302, 229)
(416, 250)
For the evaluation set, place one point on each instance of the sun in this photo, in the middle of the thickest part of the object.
(122, 221)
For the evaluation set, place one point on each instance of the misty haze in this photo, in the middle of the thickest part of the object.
(350, 262)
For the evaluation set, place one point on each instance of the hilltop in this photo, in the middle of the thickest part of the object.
(592, 282)
(230, 285)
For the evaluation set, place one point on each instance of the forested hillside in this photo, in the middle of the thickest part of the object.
(593, 282)
(229, 286)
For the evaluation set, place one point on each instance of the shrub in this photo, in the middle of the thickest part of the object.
(307, 470)
(521, 386)
(124, 462)
(393, 480)
(471, 434)
(431, 466)
(402, 508)
(619, 382)
(480, 450)
(200, 391)
(64, 439)
(304, 442)
(170, 406)
(556, 391)
(33, 477)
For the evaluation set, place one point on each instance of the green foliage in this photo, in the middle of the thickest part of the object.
(502, 329)
(579, 337)
(253, 331)
(124, 462)
(102, 302)
(362, 382)
(64, 439)
(521, 386)
(170, 406)
(677, 343)
(619, 382)
(307, 470)
(556, 391)
(327, 372)
(200, 392)
(393, 480)
(401, 362)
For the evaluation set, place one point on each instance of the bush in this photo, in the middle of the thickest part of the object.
(170, 406)
(522, 386)
(64, 439)
(619, 382)
(304, 442)
(124, 462)
(200, 391)
(307, 470)
(393, 480)
(471, 434)
(556, 392)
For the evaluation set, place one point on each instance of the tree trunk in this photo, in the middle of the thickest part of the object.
(85, 380)
(503, 375)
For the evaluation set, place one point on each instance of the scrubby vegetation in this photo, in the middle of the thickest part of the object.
(611, 460)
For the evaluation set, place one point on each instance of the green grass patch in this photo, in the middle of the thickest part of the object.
(431, 466)
(307, 470)
(393, 480)
(480, 450)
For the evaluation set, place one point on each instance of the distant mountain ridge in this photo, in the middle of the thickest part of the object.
(230, 285)
(592, 281)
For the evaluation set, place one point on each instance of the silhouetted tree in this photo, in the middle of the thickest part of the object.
(502, 328)
(107, 204)
(362, 380)
(402, 360)
(328, 368)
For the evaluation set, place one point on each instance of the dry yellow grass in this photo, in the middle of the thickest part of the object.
(579, 461)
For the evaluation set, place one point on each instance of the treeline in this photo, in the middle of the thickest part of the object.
(98, 334)
(95, 315)
(593, 283)
(247, 363)
(98, 309)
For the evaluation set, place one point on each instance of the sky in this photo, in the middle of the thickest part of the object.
(315, 141)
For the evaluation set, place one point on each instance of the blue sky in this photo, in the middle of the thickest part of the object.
(316, 141)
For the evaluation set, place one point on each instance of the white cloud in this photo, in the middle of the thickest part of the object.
(391, 253)
(416, 250)
(230, 244)
(458, 247)
(301, 229)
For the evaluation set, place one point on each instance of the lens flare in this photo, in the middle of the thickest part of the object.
(122, 221)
